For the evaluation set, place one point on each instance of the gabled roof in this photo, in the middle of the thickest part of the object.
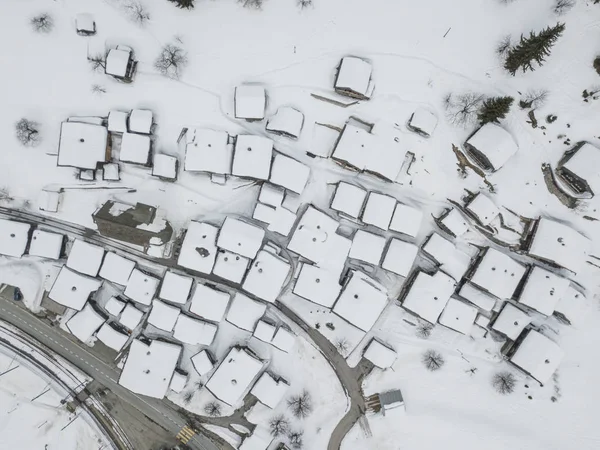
(289, 173)
(231, 266)
(250, 102)
(379, 210)
(428, 295)
(116, 268)
(175, 288)
(82, 145)
(245, 312)
(355, 75)
(252, 157)
(498, 274)
(199, 249)
(194, 331)
(543, 290)
(406, 220)
(585, 163)
(85, 323)
(495, 143)
(287, 121)
(348, 199)
(379, 354)
(452, 261)
(117, 61)
(538, 356)
(141, 287)
(163, 316)
(483, 208)
(208, 151)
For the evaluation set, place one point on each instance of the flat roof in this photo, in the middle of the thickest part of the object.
(72, 289)
(141, 287)
(45, 244)
(400, 257)
(429, 295)
(271, 195)
(266, 276)
(282, 221)
(538, 356)
(478, 297)
(348, 199)
(116, 269)
(82, 145)
(361, 302)
(117, 121)
(175, 288)
(289, 173)
(13, 237)
(209, 303)
(264, 331)
(203, 236)
(245, 312)
(208, 151)
(498, 274)
(240, 237)
(317, 285)
(114, 306)
(252, 157)
(85, 258)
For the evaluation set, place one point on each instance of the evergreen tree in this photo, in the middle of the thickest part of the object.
(188, 4)
(494, 109)
(534, 48)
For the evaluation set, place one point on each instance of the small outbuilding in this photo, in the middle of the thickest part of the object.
(542, 290)
(380, 354)
(491, 146)
(85, 24)
(354, 78)
(289, 173)
(140, 121)
(406, 220)
(165, 167)
(117, 122)
(46, 244)
(348, 199)
(245, 312)
(238, 236)
(423, 122)
(141, 287)
(399, 257)
(120, 63)
(250, 102)
(136, 149)
(287, 122)
(231, 266)
(85, 258)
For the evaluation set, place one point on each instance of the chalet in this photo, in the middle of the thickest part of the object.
(175, 288)
(252, 157)
(244, 312)
(570, 306)
(137, 224)
(317, 285)
(444, 253)
(83, 145)
(193, 331)
(165, 167)
(267, 276)
(85, 323)
(117, 122)
(380, 354)
(458, 316)
(399, 257)
(348, 199)
(542, 290)
(85, 258)
(379, 210)
(49, 199)
(367, 247)
(510, 322)
(423, 122)
(250, 102)
(482, 209)
(426, 295)
(578, 169)
(136, 149)
(114, 306)
(496, 273)
(203, 362)
(452, 222)
(85, 25)
(140, 121)
(141, 287)
(287, 122)
(491, 146)
(270, 390)
(120, 63)
(240, 237)
(271, 195)
(131, 317)
(536, 355)
(231, 266)
(112, 337)
(354, 78)
(116, 269)
(179, 380)
(323, 140)
(556, 244)
(45, 244)
(472, 294)
(289, 173)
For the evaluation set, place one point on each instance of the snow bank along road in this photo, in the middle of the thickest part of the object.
(154, 409)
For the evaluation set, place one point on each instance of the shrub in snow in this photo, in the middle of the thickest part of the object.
(98, 89)
(504, 46)
(563, 6)
(534, 48)
(42, 23)
(534, 99)
(304, 3)
(212, 409)
(301, 405)
(295, 438)
(279, 425)
(433, 360)
(256, 4)
(494, 109)
(171, 61)
(424, 330)
(504, 382)
(461, 110)
(27, 132)
(187, 398)
(188, 4)
(137, 12)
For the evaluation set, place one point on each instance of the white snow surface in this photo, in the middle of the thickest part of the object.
(164, 166)
(286, 120)
(399, 257)
(379, 354)
(379, 210)
(511, 321)
(140, 121)
(199, 236)
(584, 164)
(458, 316)
(135, 148)
(208, 151)
(111, 337)
(367, 247)
(354, 75)
(252, 157)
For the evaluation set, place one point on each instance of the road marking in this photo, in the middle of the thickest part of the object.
(185, 434)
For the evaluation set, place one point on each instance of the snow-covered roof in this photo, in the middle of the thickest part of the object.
(429, 295)
(323, 140)
(131, 317)
(117, 61)
(135, 148)
(111, 337)
(209, 303)
(140, 121)
(498, 274)
(255, 442)
(202, 362)
(349, 199)
(406, 220)
(13, 237)
(511, 321)
(178, 382)
(110, 172)
(266, 276)
(543, 290)
(271, 195)
(163, 316)
(379, 151)
(495, 143)
(252, 157)
(570, 305)
(85, 22)
(264, 331)
(199, 235)
(455, 222)
(263, 213)
(85, 258)
(208, 151)
(452, 261)
(72, 289)
(361, 302)
(85, 323)
(282, 221)
(245, 312)
(149, 368)
(164, 166)
(399, 257)
(234, 376)
(240, 237)
(48, 200)
(538, 356)
(560, 244)
(483, 208)
(175, 288)
(82, 145)
(117, 121)
(289, 173)
(231, 266)
(141, 287)
(478, 297)
(354, 74)
(269, 391)
(482, 321)
(315, 238)
(367, 247)
(379, 210)
(114, 306)
(284, 340)
(317, 285)
(287, 121)
(458, 316)
(250, 102)
(116, 268)
(379, 354)
(194, 331)
(584, 163)
(423, 120)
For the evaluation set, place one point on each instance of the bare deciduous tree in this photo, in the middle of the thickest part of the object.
(433, 360)
(279, 425)
(534, 99)
(98, 89)
(342, 345)
(424, 330)
(27, 132)
(296, 438)
(212, 409)
(137, 12)
(187, 398)
(504, 382)
(97, 62)
(171, 61)
(461, 110)
(301, 405)
(503, 46)
(253, 4)
(303, 4)
(42, 23)
(563, 6)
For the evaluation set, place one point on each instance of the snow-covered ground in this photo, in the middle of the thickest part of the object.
(420, 51)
